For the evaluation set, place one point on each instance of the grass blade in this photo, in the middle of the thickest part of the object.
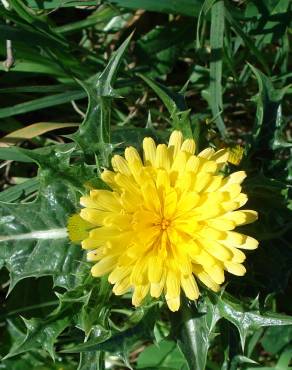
(216, 41)
(14, 192)
(41, 103)
(36, 129)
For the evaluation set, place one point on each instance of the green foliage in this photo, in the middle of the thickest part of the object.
(216, 44)
(218, 71)
(164, 355)
(93, 136)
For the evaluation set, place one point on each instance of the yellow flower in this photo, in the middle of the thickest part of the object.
(167, 222)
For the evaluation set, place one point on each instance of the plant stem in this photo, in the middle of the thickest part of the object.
(184, 327)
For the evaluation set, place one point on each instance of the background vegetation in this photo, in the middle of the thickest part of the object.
(217, 69)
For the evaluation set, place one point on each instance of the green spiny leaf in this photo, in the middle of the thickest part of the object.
(194, 330)
(119, 342)
(247, 320)
(268, 117)
(93, 135)
(34, 238)
(91, 361)
(175, 105)
(40, 334)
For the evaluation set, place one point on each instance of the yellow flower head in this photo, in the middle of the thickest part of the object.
(167, 222)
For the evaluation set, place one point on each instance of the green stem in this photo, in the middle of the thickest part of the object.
(184, 327)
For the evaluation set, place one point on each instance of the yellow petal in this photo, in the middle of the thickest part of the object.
(130, 201)
(207, 211)
(94, 216)
(137, 170)
(238, 255)
(149, 151)
(127, 183)
(190, 287)
(139, 294)
(139, 272)
(216, 273)
(236, 177)
(173, 303)
(188, 146)
(95, 255)
(192, 249)
(155, 269)
(143, 219)
(250, 243)
(233, 238)
(119, 273)
(241, 200)
(233, 190)
(146, 239)
(162, 159)
(109, 178)
(183, 262)
(206, 153)
(242, 217)
(235, 154)
(170, 203)
(187, 202)
(172, 284)
(221, 156)
(89, 243)
(103, 233)
(179, 162)
(183, 182)
(216, 250)
(122, 286)
(162, 180)
(206, 278)
(201, 181)
(204, 258)
(157, 288)
(214, 184)
(122, 222)
(185, 226)
(151, 199)
(131, 154)
(235, 268)
(104, 266)
(120, 165)
(119, 241)
(87, 201)
(209, 167)
(102, 199)
(135, 163)
(221, 224)
(229, 206)
(193, 164)
(210, 233)
(175, 142)
(240, 241)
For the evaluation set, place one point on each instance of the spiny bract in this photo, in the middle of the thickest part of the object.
(167, 222)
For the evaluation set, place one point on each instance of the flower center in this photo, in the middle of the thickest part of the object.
(164, 224)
